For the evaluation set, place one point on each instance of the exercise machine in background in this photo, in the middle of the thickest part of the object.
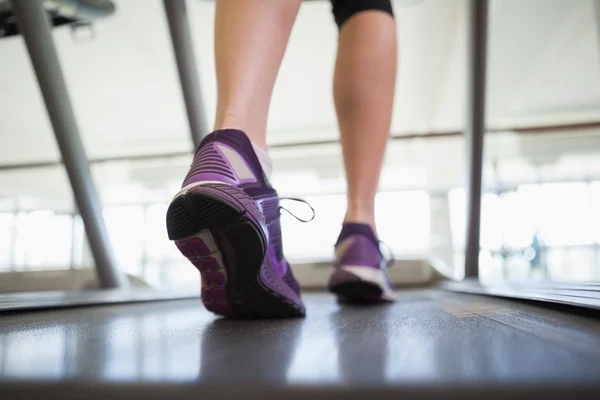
(79, 15)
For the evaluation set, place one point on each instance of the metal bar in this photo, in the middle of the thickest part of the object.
(144, 260)
(597, 12)
(73, 217)
(183, 48)
(35, 28)
(475, 129)
(394, 137)
(13, 237)
(25, 237)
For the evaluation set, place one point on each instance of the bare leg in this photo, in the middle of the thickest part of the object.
(225, 218)
(364, 86)
(250, 40)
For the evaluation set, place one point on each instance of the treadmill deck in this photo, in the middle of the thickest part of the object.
(429, 340)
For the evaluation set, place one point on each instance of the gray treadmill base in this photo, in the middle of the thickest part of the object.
(585, 295)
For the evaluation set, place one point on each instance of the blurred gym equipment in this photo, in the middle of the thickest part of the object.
(74, 13)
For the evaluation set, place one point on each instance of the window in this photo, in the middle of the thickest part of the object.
(493, 210)
(125, 225)
(313, 241)
(521, 217)
(458, 217)
(7, 221)
(561, 211)
(43, 240)
(402, 221)
(595, 209)
(565, 216)
(158, 247)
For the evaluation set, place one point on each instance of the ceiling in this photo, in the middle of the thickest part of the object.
(543, 57)
(544, 67)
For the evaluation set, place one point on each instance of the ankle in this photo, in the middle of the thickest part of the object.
(255, 130)
(361, 215)
(357, 228)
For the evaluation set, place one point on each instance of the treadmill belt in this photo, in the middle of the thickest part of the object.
(429, 342)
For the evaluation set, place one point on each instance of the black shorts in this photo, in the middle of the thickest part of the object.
(344, 9)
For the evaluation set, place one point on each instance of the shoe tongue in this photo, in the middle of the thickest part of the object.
(355, 228)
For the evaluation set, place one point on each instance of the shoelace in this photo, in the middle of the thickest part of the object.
(383, 248)
(299, 201)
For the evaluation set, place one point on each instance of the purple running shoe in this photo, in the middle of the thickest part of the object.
(360, 269)
(225, 220)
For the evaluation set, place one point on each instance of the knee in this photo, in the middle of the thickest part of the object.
(343, 10)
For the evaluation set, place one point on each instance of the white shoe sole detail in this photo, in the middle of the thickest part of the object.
(209, 241)
(372, 275)
(192, 185)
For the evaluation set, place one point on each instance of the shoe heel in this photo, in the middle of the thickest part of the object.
(209, 206)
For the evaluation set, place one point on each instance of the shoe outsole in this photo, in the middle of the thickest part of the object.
(214, 228)
(350, 288)
(358, 292)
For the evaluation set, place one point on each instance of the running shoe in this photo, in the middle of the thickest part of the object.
(225, 220)
(360, 274)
